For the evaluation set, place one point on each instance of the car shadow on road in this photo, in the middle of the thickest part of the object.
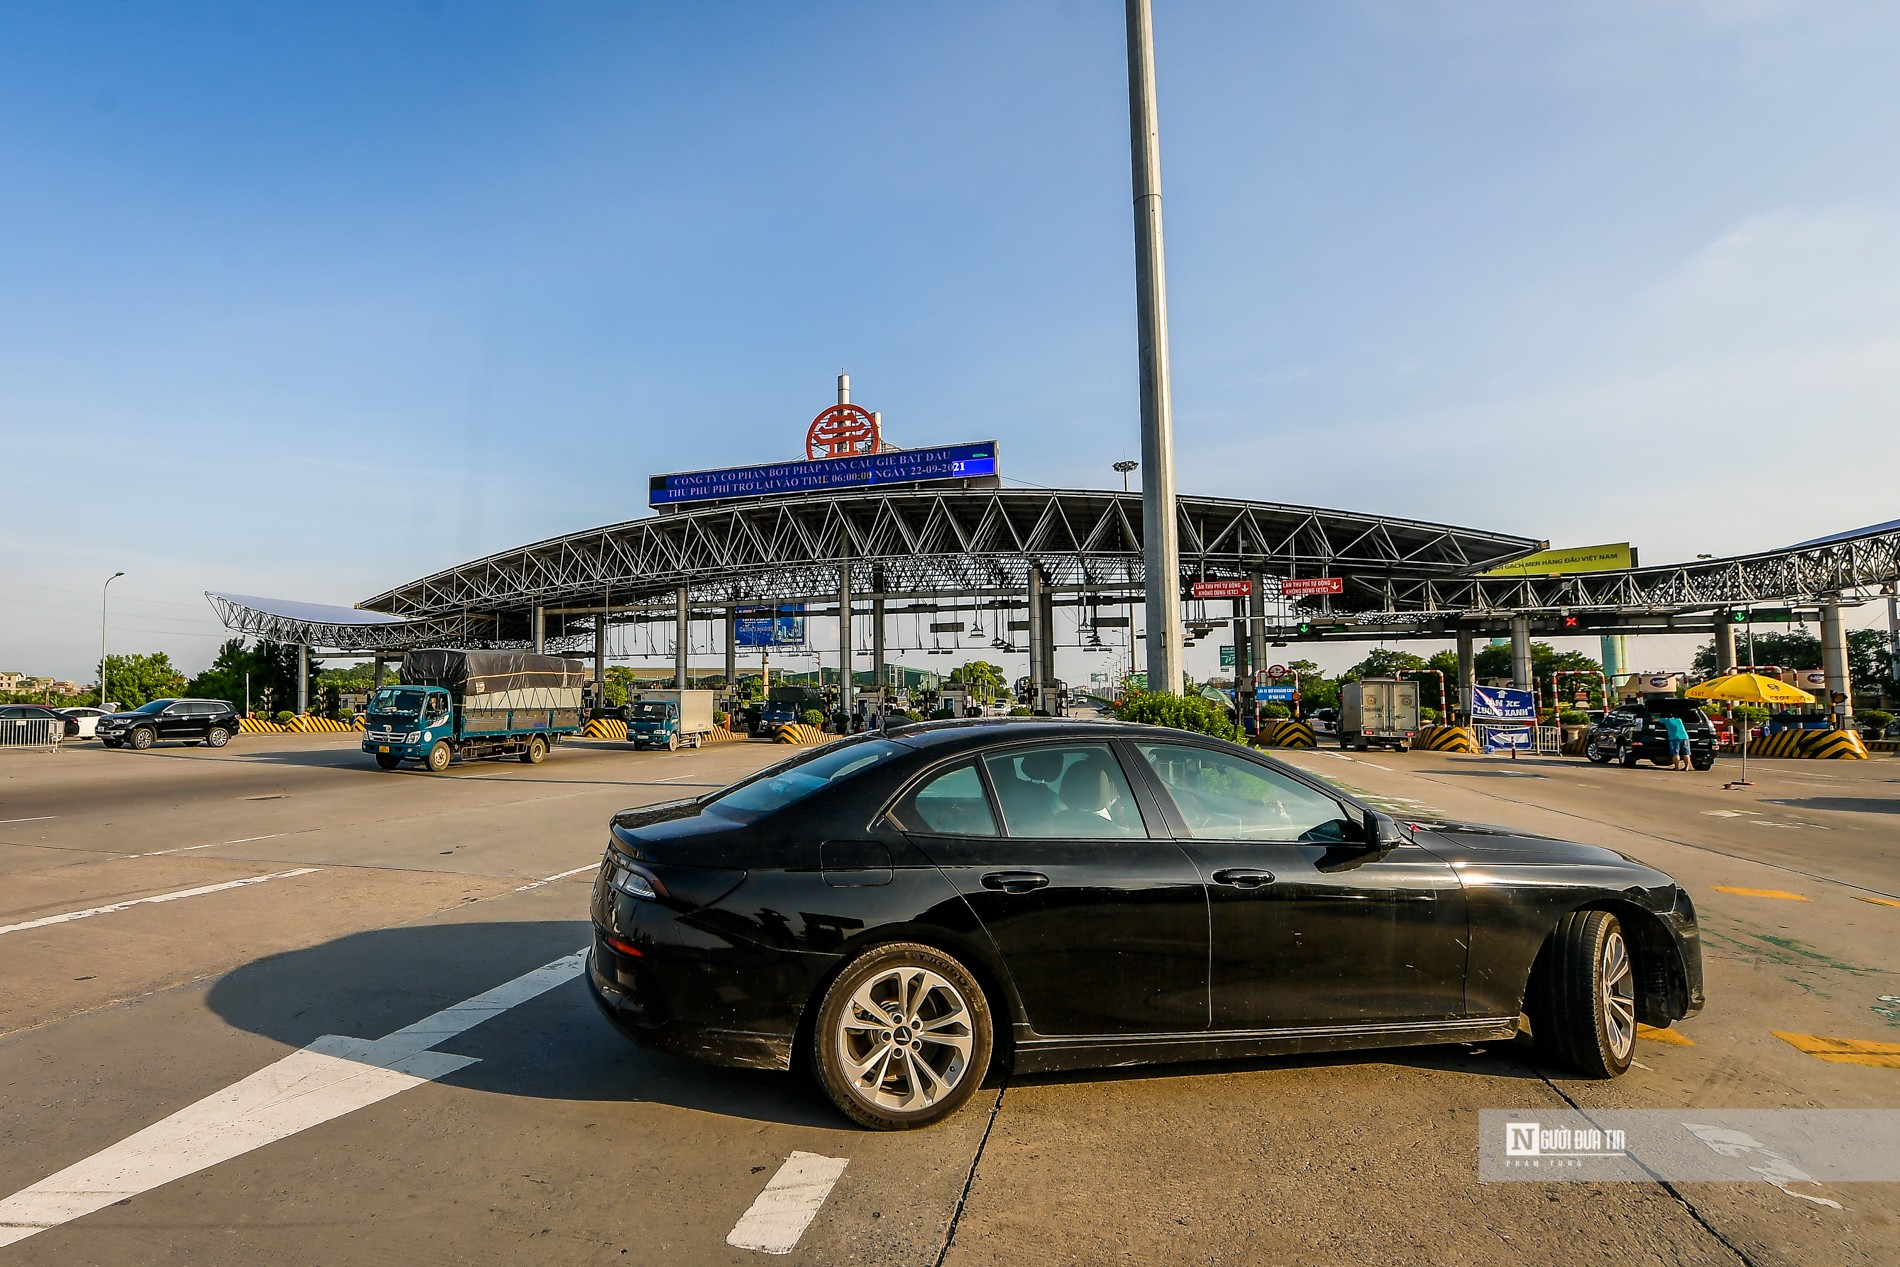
(554, 1047)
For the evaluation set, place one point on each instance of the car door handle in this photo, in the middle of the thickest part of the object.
(1015, 881)
(1242, 878)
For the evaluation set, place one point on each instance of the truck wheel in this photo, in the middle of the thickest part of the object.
(438, 758)
(672, 743)
(388, 760)
(537, 751)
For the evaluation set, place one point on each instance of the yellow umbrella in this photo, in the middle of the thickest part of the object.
(1749, 688)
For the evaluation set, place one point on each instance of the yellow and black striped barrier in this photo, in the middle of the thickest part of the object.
(1283, 732)
(318, 725)
(258, 726)
(1578, 744)
(1446, 739)
(605, 728)
(1785, 743)
(800, 733)
(1811, 745)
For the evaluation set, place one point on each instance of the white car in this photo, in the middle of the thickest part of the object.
(88, 719)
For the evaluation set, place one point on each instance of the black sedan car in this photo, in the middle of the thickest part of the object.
(898, 911)
(206, 721)
(1631, 732)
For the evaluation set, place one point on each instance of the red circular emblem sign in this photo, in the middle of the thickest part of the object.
(841, 431)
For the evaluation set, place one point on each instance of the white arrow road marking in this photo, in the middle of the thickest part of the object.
(789, 1203)
(70, 916)
(329, 1078)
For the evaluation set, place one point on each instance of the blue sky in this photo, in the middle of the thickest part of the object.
(311, 299)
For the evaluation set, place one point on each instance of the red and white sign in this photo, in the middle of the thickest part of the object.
(842, 431)
(1222, 589)
(1277, 670)
(1307, 586)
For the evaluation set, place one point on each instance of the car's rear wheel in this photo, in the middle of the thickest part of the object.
(1631, 756)
(217, 737)
(438, 758)
(142, 738)
(536, 752)
(903, 1037)
(1582, 999)
(388, 760)
(1703, 763)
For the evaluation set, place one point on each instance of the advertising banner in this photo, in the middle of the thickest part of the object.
(905, 466)
(1501, 703)
(1309, 586)
(769, 626)
(1608, 558)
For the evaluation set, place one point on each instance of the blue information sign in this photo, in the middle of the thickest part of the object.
(769, 626)
(1508, 739)
(907, 466)
(1501, 703)
(1277, 694)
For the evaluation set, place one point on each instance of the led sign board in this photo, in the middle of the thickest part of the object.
(905, 466)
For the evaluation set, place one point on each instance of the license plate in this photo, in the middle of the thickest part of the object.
(382, 747)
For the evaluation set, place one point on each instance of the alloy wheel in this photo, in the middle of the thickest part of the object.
(1618, 990)
(904, 1039)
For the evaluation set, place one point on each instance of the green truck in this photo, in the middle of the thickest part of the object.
(472, 704)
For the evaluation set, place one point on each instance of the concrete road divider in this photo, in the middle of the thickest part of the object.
(1446, 739)
(800, 733)
(605, 728)
(1812, 745)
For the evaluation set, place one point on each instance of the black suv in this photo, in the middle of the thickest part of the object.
(208, 721)
(1630, 732)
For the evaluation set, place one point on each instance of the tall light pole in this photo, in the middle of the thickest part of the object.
(1125, 466)
(1161, 548)
(102, 636)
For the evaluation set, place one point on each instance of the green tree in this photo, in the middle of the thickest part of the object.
(1382, 662)
(271, 667)
(1316, 689)
(1182, 712)
(985, 680)
(1799, 649)
(136, 679)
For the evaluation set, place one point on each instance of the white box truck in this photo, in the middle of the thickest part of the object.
(1378, 713)
(670, 719)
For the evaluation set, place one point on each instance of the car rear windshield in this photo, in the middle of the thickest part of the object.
(792, 781)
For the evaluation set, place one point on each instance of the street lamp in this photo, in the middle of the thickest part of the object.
(102, 637)
(1125, 466)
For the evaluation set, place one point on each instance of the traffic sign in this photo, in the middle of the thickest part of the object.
(1221, 589)
(1307, 586)
(1279, 694)
(1227, 656)
(1277, 670)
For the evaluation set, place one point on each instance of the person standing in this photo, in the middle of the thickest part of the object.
(1678, 742)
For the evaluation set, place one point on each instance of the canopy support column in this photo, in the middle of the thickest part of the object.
(1724, 647)
(1521, 652)
(732, 650)
(682, 636)
(1467, 671)
(1834, 663)
(303, 679)
(846, 693)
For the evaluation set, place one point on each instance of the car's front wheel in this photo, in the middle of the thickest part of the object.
(903, 1037)
(1596, 752)
(388, 760)
(1582, 998)
(142, 738)
(438, 758)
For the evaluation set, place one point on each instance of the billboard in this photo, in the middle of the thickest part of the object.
(1501, 703)
(904, 466)
(769, 626)
(1610, 558)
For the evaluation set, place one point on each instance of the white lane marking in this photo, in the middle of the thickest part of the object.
(1374, 764)
(70, 916)
(213, 845)
(45, 819)
(592, 866)
(789, 1203)
(329, 1078)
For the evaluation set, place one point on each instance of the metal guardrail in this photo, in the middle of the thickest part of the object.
(36, 734)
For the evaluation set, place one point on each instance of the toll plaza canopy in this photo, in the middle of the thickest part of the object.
(935, 546)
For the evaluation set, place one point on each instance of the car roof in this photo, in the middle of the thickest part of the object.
(973, 732)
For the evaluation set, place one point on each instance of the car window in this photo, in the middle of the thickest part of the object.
(1224, 796)
(1064, 791)
(792, 781)
(952, 803)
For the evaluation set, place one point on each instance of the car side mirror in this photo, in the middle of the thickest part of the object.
(1383, 831)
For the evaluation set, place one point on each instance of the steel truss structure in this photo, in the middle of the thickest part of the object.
(1842, 567)
(943, 543)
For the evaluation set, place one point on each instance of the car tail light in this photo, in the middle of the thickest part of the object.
(621, 947)
(634, 881)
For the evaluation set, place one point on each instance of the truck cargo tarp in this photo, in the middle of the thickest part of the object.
(489, 672)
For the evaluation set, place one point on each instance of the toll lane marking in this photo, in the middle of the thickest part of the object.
(781, 1213)
(1779, 894)
(1669, 1036)
(70, 916)
(592, 866)
(1877, 901)
(46, 819)
(331, 1077)
(1843, 1051)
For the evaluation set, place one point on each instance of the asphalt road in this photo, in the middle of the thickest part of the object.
(352, 1033)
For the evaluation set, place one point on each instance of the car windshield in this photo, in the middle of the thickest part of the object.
(155, 706)
(405, 700)
(649, 710)
(792, 781)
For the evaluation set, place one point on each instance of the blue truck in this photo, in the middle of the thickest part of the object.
(471, 704)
